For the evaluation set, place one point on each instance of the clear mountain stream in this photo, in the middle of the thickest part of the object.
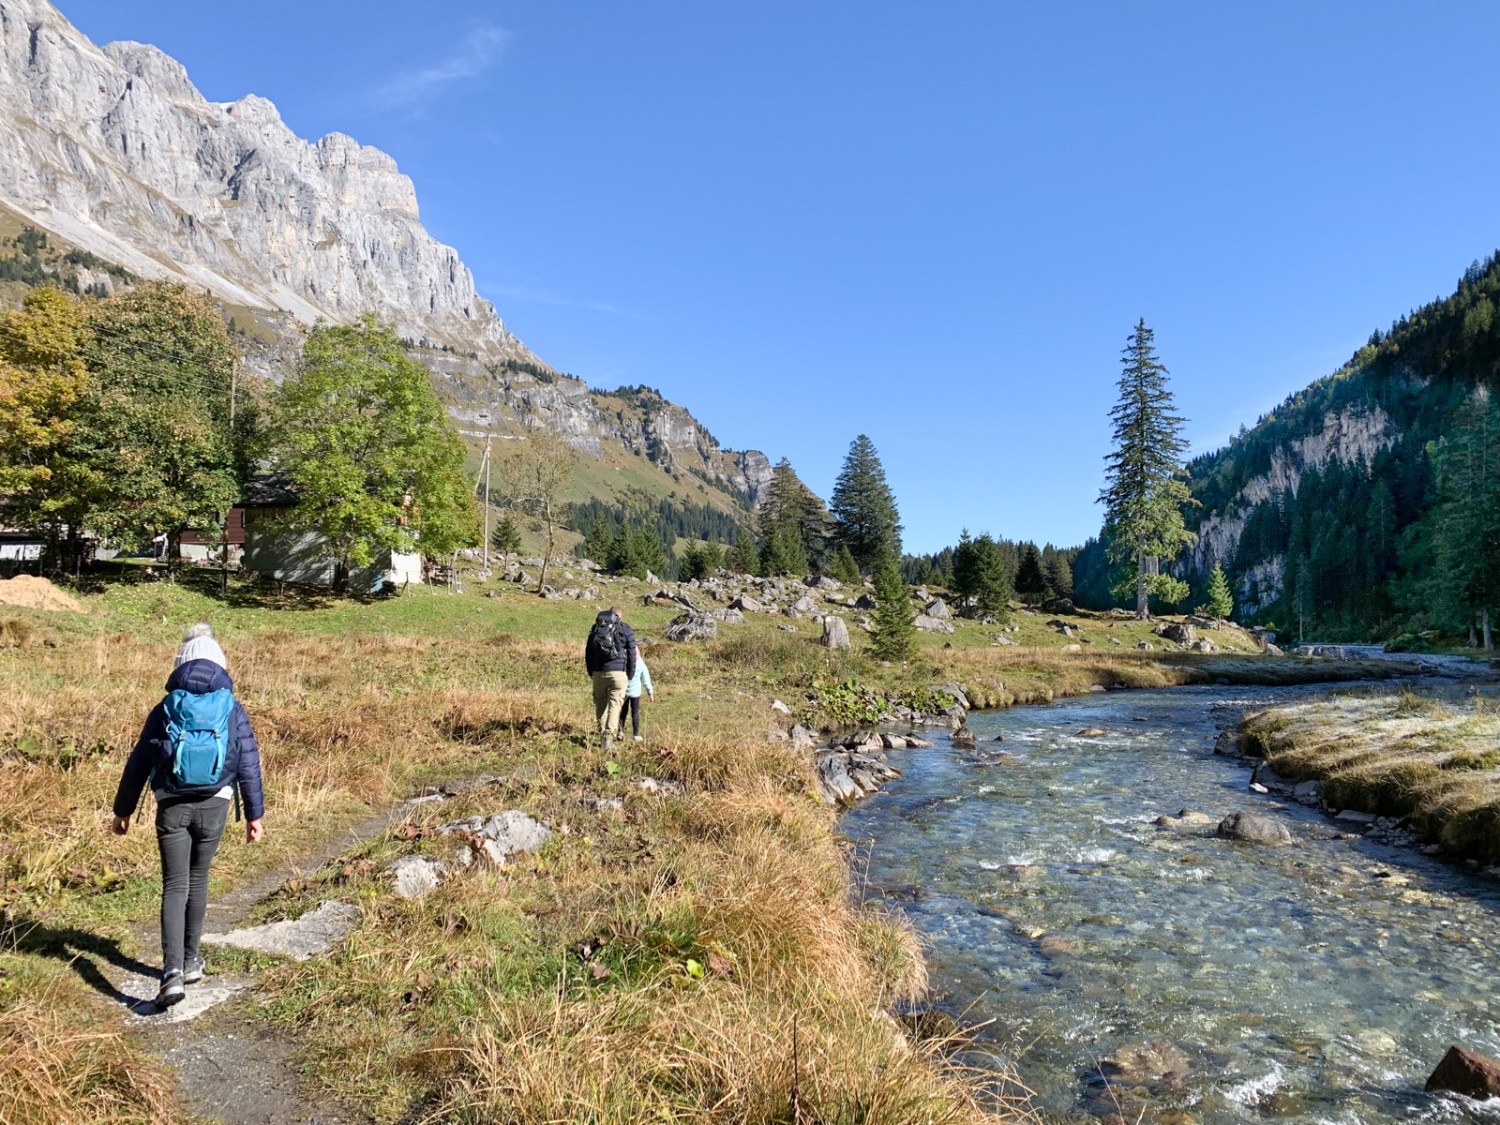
(1215, 981)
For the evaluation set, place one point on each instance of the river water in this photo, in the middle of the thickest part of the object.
(1319, 982)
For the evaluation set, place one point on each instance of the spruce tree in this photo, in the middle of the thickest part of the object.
(597, 543)
(894, 631)
(1059, 574)
(505, 537)
(1144, 491)
(843, 567)
(1220, 600)
(743, 558)
(863, 508)
(1465, 525)
(980, 572)
(1031, 583)
(793, 524)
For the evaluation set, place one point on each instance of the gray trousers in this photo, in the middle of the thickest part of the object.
(187, 835)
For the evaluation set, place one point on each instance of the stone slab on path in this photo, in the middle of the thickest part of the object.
(209, 993)
(298, 938)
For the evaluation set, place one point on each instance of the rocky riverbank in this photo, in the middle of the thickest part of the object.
(1410, 768)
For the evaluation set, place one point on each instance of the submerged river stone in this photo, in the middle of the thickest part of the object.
(1254, 828)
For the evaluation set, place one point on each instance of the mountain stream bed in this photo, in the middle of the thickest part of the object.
(1213, 981)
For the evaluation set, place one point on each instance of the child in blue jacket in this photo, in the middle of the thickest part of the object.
(193, 789)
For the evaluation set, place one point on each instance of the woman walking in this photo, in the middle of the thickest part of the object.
(198, 753)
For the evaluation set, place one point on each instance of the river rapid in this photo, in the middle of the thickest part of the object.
(1215, 981)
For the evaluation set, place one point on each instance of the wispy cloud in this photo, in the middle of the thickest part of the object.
(542, 297)
(470, 58)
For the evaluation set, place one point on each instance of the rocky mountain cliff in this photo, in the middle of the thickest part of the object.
(112, 150)
(1320, 512)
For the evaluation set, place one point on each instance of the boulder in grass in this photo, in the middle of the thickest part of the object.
(836, 634)
(1468, 1073)
(692, 626)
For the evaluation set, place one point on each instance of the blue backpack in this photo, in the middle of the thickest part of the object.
(200, 741)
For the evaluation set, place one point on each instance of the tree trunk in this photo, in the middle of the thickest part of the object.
(1473, 635)
(541, 581)
(174, 552)
(1489, 636)
(341, 575)
(1142, 606)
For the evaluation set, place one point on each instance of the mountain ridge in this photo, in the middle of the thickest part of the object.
(114, 151)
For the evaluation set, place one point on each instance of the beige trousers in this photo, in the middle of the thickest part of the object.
(609, 698)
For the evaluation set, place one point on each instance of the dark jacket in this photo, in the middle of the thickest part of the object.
(198, 677)
(624, 663)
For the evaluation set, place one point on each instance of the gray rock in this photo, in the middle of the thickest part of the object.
(938, 608)
(298, 938)
(502, 835)
(416, 875)
(1254, 828)
(746, 604)
(954, 691)
(836, 786)
(1203, 644)
(727, 616)
(780, 707)
(925, 624)
(1144, 646)
(1178, 633)
(690, 626)
(864, 601)
(836, 634)
(1353, 816)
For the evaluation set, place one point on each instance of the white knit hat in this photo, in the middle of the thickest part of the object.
(198, 644)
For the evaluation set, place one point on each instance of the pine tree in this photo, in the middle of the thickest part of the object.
(980, 572)
(843, 567)
(894, 631)
(793, 524)
(1059, 573)
(743, 557)
(506, 535)
(596, 544)
(1031, 583)
(863, 508)
(1145, 492)
(1220, 600)
(1466, 521)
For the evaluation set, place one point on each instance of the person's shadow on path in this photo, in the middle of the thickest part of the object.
(83, 952)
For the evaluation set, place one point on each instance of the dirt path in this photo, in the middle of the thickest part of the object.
(229, 1067)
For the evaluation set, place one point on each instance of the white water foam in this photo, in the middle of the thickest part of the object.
(1253, 1091)
(1095, 855)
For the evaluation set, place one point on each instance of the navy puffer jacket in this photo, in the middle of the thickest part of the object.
(199, 677)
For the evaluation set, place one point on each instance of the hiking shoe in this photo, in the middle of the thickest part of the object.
(609, 743)
(194, 971)
(639, 738)
(171, 990)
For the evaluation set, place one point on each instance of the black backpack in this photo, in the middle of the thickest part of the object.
(606, 643)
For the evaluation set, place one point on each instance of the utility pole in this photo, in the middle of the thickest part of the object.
(234, 386)
(487, 438)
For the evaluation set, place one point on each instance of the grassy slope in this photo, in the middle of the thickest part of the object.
(1397, 754)
(715, 912)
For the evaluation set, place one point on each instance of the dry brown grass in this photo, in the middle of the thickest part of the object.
(1396, 754)
(52, 1071)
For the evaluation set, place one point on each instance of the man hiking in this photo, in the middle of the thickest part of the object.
(196, 749)
(609, 657)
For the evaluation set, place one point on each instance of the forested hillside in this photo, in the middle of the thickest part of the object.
(1367, 504)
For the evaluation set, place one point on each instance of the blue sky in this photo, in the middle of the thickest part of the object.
(931, 223)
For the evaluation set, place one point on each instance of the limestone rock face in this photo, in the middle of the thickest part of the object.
(114, 150)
